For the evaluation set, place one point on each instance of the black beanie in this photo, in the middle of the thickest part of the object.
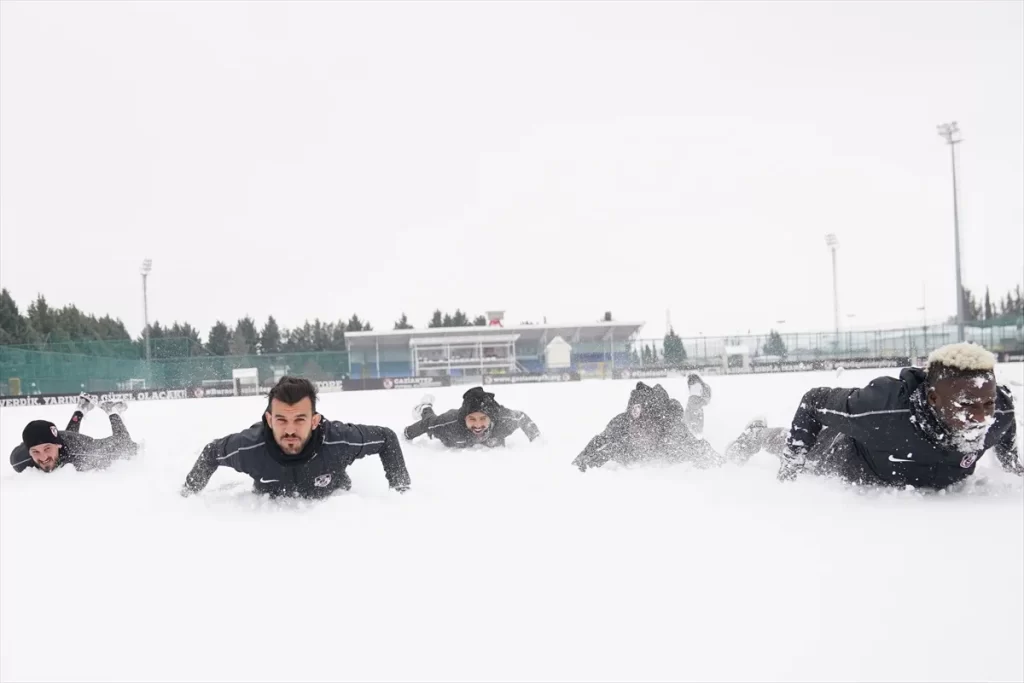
(476, 400)
(39, 432)
(653, 401)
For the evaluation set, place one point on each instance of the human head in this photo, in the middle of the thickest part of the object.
(291, 413)
(647, 403)
(478, 410)
(962, 391)
(42, 440)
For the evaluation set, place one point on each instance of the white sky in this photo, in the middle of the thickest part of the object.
(315, 159)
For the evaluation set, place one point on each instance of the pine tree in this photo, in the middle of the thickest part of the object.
(247, 328)
(238, 346)
(322, 335)
(270, 337)
(989, 312)
(403, 323)
(436, 320)
(480, 321)
(338, 336)
(355, 324)
(12, 325)
(460, 319)
(219, 340)
(675, 352)
(774, 346)
(40, 318)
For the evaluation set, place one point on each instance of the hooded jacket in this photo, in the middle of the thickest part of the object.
(450, 426)
(652, 428)
(896, 435)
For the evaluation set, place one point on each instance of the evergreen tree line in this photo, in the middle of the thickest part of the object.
(1011, 305)
(76, 332)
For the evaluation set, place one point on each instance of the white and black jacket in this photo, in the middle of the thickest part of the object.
(317, 471)
(895, 434)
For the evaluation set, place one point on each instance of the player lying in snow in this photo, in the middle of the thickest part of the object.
(479, 421)
(44, 447)
(654, 427)
(295, 451)
(926, 429)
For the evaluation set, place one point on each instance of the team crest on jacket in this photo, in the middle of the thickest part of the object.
(322, 481)
(970, 459)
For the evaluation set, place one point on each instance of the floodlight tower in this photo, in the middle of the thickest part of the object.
(147, 267)
(833, 244)
(950, 132)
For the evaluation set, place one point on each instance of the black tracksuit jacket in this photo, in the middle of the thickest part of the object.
(83, 452)
(883, 434)
(317, 471)
(450, 428)
(660, 432)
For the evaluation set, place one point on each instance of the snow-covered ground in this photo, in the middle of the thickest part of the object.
(507, 564)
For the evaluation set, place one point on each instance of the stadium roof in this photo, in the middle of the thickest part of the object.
(586, 332)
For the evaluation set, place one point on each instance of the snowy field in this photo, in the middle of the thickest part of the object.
(504, 565)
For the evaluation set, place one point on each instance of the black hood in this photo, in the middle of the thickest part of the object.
(476, 400)
(653, 402)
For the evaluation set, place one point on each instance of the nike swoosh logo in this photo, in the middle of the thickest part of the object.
(893, 459)
(268, 481)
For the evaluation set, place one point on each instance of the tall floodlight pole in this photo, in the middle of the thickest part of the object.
(833, 243)
(147, 266)
(950, 132)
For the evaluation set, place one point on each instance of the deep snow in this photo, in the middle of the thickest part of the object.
(502, 565)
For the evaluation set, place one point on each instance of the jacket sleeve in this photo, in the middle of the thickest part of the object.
(20, 459)
(841, 409)
(217, 453)
(604, 446)
(1006, 449)
(431, 424)
(517, 419)
(384, 442)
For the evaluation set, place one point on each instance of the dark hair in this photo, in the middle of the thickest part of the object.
(291, 390)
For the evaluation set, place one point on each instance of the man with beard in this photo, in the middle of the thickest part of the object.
(654, 427)
(480, 421)
(295, 451)
(926, 429)
(46, 448)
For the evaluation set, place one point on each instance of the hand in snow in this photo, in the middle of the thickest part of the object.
(790, 467)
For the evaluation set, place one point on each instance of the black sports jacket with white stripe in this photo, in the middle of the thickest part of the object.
(450, 428)
(897, 443)
(317, 471)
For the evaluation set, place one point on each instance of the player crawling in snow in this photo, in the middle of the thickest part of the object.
(480, 420)
(654, 427)
(926, 429)
(295, 451)
(44, 447)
